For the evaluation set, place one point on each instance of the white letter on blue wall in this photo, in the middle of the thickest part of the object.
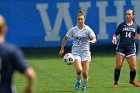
(136, 4)
(85, 6)
(52, 34)
(103, 19)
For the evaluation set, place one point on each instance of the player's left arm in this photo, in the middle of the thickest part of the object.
(92, 36)
(138, 34)
(93, 39)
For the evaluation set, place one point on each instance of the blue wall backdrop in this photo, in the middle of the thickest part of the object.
(44, 23)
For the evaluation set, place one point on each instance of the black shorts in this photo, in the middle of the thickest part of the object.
(127, 52)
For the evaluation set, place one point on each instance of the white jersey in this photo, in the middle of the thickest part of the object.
(80, 38)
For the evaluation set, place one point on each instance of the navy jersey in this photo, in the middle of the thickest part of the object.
(127, 34)
(11, 59)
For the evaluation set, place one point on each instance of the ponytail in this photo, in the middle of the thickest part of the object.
(80, 13)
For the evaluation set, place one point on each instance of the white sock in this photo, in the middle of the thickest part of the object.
(84, 82)
(79, 78)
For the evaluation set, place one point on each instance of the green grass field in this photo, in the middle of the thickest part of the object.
(53, 76)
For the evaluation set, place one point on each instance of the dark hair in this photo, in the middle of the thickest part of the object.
(132, 13)
(80, 13)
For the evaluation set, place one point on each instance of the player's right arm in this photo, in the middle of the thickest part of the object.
(117, 32)
(21, 65)
(30, 74)
(114, 39)
(68, 35)
(62, 46)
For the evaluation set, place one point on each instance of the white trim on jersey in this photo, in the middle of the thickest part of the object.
(117, 46)
(135, 47)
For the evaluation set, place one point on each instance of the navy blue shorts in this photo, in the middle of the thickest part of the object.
(127, 52)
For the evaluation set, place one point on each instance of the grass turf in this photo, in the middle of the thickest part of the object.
(53, 76)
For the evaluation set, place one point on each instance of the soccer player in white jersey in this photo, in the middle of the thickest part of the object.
(82, 36)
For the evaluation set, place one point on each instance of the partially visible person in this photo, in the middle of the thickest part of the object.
(128, 32)
(11, 60)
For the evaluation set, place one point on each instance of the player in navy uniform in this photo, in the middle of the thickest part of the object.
(11, 60)
(128, 32)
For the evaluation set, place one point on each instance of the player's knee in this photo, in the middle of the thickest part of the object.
(133, 68)
(118, 67)
(79, 72)
(85, 74)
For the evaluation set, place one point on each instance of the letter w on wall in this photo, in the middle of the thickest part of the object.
(52, 34)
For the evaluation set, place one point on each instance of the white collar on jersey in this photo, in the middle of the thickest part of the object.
(129, 24)
(82, 28)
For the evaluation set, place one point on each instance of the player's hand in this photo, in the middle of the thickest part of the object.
(92, 41)
(114, 40)
(61, 52)
(137, 36)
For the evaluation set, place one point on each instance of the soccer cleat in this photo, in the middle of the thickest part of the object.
(136, 84)
(77, 85)
(84, 89)
(115, 85)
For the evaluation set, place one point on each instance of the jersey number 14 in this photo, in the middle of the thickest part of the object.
(128, 34)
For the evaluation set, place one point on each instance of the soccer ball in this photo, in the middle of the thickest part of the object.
(69, 58)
